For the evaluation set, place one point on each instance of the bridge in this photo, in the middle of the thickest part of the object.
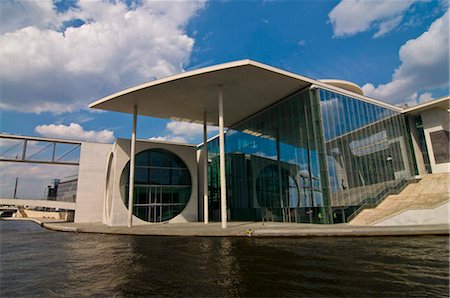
(37, 150)
(38, 203)
(6, 211)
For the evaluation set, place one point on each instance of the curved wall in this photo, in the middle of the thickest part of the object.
(121, 150)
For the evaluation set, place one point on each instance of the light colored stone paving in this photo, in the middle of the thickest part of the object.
(247, 229)
(430, 192)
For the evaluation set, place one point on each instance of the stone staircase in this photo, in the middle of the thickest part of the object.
(431, 191)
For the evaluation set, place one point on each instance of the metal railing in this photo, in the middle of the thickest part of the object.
(373, 202)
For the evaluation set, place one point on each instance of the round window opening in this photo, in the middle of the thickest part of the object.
(162, 185)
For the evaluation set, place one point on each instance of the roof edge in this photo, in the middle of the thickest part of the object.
(170, 78)
(239, 63)
(427, 104)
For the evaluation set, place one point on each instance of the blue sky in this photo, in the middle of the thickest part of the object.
(57, 57)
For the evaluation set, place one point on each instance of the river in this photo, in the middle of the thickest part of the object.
(41, 263)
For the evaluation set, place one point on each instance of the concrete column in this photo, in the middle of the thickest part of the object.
(132, 157)
(205, 169)
(223, 184)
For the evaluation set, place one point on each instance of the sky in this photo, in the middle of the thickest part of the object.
(58, 56)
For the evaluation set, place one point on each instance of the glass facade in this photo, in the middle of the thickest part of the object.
(313, 157)
(367, 151)
(272, 166)
(162, 185)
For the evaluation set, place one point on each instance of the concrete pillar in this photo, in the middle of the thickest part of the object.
(223, 184)
(132, 157)
(205, 169)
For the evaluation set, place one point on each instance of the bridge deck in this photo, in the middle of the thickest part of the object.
(38, 203)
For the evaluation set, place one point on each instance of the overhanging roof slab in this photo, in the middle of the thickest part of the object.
(248, 87)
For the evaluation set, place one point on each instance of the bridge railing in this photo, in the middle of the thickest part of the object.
(39, 150)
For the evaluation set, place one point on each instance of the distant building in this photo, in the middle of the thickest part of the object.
(64, 190)
(52, 190)
(67, 189)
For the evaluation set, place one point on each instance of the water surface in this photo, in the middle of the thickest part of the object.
(39, 262)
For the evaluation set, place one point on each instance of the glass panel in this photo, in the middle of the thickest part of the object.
(162, 185)
(275, 159)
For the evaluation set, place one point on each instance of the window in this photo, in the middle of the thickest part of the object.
(162, 185)
(440, 143)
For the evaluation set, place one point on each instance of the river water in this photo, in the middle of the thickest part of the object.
(39, 262)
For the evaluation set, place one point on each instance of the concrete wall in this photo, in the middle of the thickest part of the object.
(435, 120)
(116, 214)
(438, 215)
(91, 182)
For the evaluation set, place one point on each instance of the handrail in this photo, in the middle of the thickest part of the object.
(378, 198)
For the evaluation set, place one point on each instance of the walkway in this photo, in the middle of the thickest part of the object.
(246, 229)
(38, 203)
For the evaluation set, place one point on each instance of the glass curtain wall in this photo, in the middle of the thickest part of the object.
(272, 165)
(367, 152)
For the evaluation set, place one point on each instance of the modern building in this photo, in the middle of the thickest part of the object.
(295, 150)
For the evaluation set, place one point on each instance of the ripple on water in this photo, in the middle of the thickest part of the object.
(38, 262)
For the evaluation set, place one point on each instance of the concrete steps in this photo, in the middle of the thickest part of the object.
(430, 192)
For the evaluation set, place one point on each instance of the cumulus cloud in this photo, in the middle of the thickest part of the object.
(427, 96)
(32, 178)
(184, 132)
(424, 66)
(75, 131)
(170, 138)
(350, 17)
(48, 65)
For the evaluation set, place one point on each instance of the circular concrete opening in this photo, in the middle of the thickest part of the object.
(162, 185)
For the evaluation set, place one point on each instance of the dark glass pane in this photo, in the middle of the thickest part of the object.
(160, 176)
(141, 175)
(142, 158)
(440, 143)
(180, 177)
(160, 159)
(162, 185)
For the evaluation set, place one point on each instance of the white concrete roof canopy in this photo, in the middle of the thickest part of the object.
(350, 86)
(440, 103)
(248, 86)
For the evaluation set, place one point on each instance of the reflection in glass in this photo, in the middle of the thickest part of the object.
(367, 152)
(316, 156)
(162, 185)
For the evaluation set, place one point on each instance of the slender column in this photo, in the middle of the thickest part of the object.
(54, 151)
(223, 184)
(24, 152)
(205, 169)
(132, 157)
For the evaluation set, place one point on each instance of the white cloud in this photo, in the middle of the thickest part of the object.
(427, 96)
(46, 69)
(350, 17)
(387, 26)
(75, 131)
(33, 178)
(424, 66)
(184, 132)
(170, 138)
(33, 13)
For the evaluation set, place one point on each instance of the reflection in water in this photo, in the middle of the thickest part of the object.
(38, 262)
